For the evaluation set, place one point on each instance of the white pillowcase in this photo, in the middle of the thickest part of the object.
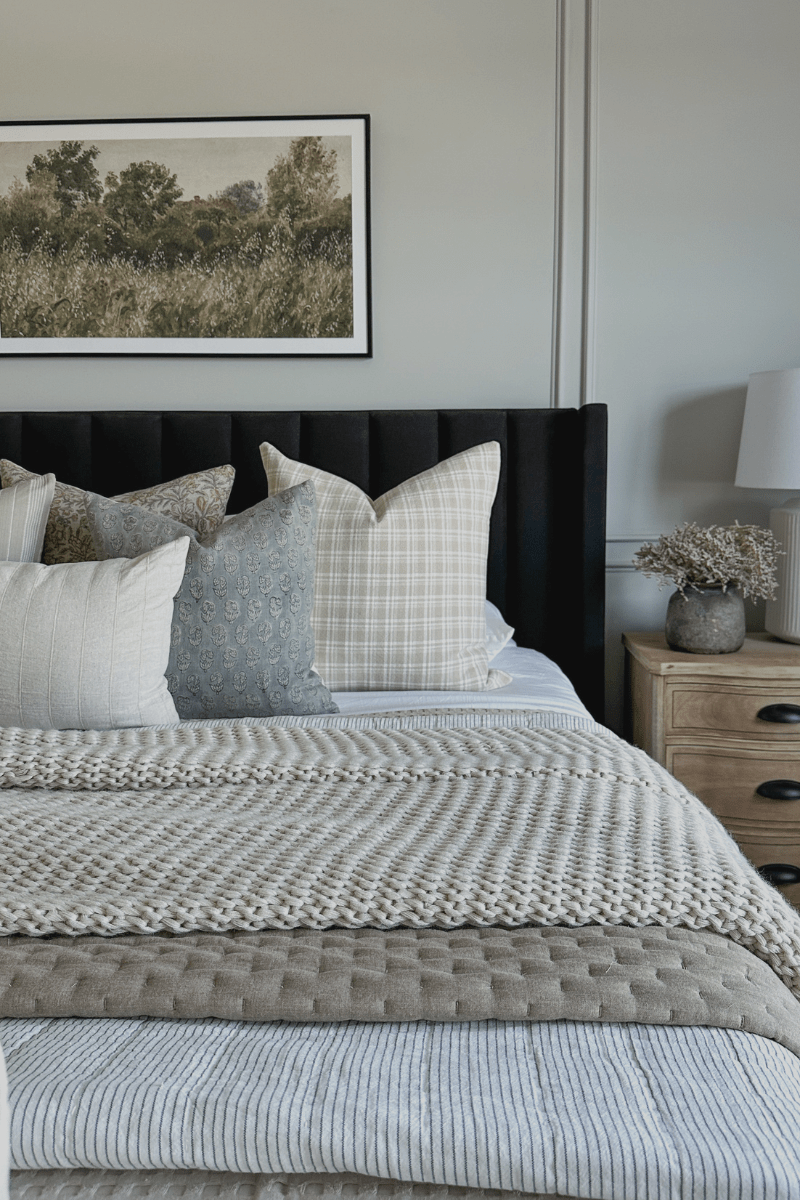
(498, 634)
(24, 509)
(85, 645)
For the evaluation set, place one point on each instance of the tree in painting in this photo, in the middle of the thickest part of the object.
(247, 195)
(136, 259)
(143, 193)
(303, 183)
(77, 181)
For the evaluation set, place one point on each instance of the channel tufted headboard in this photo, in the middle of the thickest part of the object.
(547, 548)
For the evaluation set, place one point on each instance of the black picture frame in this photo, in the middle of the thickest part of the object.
(118, 252)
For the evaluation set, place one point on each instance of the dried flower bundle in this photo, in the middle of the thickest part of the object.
(743, 556)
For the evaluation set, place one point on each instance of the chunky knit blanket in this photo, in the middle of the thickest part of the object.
(437, 820)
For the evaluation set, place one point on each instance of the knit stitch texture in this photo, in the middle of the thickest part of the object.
(439, 821)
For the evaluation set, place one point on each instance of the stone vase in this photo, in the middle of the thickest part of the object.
(706, 620)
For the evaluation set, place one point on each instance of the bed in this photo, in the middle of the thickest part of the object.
(439, 944)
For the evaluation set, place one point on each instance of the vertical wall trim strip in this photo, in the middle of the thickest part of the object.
(589, 322)
(570, 196)
(558, 205)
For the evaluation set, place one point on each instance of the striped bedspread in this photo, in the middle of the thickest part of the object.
(612, 1112)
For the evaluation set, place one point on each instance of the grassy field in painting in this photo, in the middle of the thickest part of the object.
(75, 294)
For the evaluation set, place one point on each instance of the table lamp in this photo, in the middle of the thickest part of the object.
(769, 457)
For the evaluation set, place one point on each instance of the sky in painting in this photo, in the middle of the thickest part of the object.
(204, 166)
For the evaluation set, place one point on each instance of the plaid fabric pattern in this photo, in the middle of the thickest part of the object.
(401, 580)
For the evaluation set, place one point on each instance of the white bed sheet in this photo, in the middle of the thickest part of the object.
(537, 683)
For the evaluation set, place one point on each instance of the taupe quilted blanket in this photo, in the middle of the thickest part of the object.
(655, 975)
(413, 821)
(199, 1185)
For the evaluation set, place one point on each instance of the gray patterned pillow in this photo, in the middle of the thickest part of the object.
(242, 642)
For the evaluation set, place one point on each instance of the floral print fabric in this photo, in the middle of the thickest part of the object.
(242, 642)
(197, 500)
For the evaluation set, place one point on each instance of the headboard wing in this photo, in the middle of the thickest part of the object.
(547, 551)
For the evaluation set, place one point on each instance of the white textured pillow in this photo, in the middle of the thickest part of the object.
(401, 581)
(498, 633)
(85, 645)
(24, 509)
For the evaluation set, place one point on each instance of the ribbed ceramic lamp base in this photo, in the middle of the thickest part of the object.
(783, 613)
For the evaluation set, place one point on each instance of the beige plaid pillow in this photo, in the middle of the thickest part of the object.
(197, 500)
(401, 581)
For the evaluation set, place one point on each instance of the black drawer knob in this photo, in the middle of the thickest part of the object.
(779, 789)
(780, 874)
(781, 714)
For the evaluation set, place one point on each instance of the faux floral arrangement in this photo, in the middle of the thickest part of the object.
(724, 556)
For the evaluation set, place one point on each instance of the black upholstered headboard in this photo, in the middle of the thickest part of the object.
(547, 551)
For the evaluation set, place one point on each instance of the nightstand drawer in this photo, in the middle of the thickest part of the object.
(715, 708)
(726, 780)
(698, 715)
(763, 849)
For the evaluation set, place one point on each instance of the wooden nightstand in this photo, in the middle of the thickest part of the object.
(698, 715)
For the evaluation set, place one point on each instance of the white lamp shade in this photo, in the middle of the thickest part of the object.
(769, 451)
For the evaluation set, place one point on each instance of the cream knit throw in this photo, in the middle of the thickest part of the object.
(444, 820)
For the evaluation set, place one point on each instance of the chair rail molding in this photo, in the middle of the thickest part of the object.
(620, 549)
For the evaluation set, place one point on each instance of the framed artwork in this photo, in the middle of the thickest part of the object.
(245, 236)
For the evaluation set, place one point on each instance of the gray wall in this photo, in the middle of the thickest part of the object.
(461, 98)
(696, 263)
(646, 149)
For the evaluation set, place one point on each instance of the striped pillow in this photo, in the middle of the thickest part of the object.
(23, 518)
(85, 645)
(401, 581)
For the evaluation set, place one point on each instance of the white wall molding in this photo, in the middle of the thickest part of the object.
(573, 339)
(557, 327)
(621, 548)
(573, 52)
(589, 291)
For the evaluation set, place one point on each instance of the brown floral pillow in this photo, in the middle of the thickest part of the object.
(196, 500)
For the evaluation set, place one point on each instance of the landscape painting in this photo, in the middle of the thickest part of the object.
(247, 236)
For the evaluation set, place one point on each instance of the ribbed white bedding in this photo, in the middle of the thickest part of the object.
(537, 683)
(614, 1112)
